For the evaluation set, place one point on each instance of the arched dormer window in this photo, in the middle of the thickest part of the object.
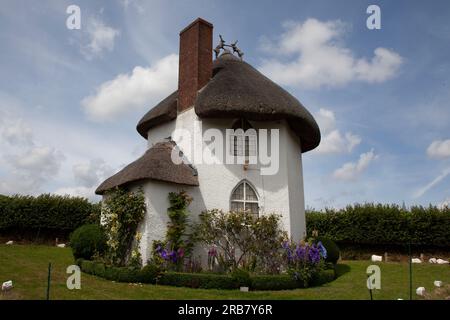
(243, 140)
(244, 197)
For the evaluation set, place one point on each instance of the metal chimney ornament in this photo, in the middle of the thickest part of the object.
(222, 46)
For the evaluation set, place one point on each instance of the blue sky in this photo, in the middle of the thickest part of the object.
(70, 99)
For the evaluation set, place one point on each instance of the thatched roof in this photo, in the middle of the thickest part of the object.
(155, 164)
(237, 90)
(164, 111)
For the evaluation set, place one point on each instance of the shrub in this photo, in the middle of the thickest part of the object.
(171, 253)
(198, 280)
(49, 214)
(241, 278)
(333, 252)
(86, 266)
(274, 282)
(304, 260)
(322, 277)
(123, 211)
(240, 240)
(150, 273)
(384, 225)
(119, 274)
(88, 240)
(98, 269)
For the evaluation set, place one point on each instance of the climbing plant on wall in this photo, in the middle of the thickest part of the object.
(122, 212)
(176, 246)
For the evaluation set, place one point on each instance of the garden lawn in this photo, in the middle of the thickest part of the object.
(26, 266)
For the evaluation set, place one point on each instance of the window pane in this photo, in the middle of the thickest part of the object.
(252, 207)
(240, 145)
(251, 145)
(250, 193)
(238, 193)
(237, 145)
(237, 206)
(247, 146)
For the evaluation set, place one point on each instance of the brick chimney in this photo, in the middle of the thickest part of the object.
(195, 68)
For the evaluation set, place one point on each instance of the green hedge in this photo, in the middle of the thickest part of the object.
(274, 282)
(377, 224)
(197, 280)
(54, 213)
(119, 274)
(323, 277)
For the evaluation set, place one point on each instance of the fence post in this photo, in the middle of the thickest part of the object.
(48, 280)
(369, 287)
(410, 270)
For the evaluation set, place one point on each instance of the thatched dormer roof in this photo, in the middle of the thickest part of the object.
(155, 164)
(237, 90)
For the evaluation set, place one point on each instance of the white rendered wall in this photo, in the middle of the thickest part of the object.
(155, 221)
(281, 193)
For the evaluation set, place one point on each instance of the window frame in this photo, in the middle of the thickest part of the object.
(242, 140)
(244, 200)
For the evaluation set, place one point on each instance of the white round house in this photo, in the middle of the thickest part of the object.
(241, 136)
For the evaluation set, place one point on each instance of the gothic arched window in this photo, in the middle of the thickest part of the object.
(244, 198)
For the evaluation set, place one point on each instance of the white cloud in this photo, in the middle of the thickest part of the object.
(351, 170)
(16, 132)
(101, 37)
(321, 59)
(26, 165)
(439, 149)
(85, 192)
(127, 3)
(430, 185)
(90, 174)
(326, 120)
(333, 141)
(30, 169)
(142, 88)
(41, 160)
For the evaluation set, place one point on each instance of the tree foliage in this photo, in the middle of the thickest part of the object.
(122, 211)
(378, 224)
(241, 240)
(54, 213)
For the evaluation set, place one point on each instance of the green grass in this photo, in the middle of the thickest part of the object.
(27, 265)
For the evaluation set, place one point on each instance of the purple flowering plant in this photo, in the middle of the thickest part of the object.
(304, 259)
(168, 257)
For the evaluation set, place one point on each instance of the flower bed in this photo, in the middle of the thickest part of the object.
(199, 280)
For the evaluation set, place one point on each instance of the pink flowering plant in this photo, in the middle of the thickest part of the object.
(304, 260)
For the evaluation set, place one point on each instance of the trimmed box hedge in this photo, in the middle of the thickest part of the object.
(378, 224)
(197, 280)
(274, 282)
